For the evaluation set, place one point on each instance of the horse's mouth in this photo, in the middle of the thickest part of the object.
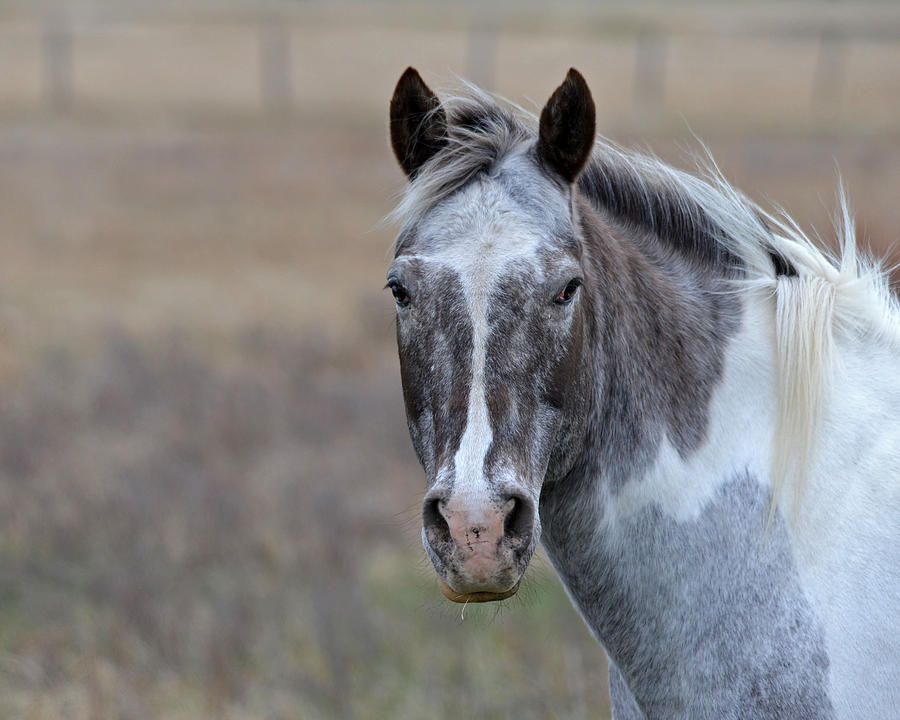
(475, 597)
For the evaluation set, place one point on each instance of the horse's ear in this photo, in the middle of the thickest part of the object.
(568, 123)
(418, 122)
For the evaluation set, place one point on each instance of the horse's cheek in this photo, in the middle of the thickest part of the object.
(414, 387)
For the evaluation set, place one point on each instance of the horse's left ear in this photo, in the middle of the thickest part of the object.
(418, 122)
(568, 124)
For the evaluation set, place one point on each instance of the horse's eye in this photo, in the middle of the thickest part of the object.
(400, 294)
(568, 292)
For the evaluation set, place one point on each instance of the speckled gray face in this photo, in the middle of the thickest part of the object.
(491, 325)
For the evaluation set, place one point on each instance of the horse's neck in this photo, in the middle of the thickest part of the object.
(659, 531)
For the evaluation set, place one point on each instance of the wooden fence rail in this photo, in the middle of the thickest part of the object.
(276, 89)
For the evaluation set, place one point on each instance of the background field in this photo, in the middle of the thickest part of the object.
(208, 503)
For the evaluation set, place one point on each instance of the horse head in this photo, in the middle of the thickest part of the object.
(493, 298)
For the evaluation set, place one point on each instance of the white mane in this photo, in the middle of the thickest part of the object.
(845, 292)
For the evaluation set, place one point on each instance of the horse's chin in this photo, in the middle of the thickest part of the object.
(475, 597)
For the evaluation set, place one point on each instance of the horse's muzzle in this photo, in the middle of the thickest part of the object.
(479, 551)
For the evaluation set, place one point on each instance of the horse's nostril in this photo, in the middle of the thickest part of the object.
(518, 522)
(433, 521)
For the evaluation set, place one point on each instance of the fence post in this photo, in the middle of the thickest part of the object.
(651, 51)
(828, 76)
(57, 63)
(275, 66)
(482, 47)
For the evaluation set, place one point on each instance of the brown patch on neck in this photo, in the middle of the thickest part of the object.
(662, 325)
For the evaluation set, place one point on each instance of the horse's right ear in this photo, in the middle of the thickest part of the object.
(568, 124)
(418, 122)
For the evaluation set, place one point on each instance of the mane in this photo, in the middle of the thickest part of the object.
(702, 215)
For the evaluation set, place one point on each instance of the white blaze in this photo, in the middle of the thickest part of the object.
(486, 236)
(476, 440)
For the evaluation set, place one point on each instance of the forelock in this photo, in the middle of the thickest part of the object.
(481, 134)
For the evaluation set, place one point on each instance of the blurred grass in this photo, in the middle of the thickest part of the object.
(208, 500)
(180, 538)
(209, 507)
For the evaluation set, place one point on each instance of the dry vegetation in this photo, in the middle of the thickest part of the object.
(208, 503)
(186, 535)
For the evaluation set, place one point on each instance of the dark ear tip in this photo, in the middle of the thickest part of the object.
(411, 81)
(410, 74)
(576, 79)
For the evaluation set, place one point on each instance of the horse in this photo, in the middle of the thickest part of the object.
(694, 408)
